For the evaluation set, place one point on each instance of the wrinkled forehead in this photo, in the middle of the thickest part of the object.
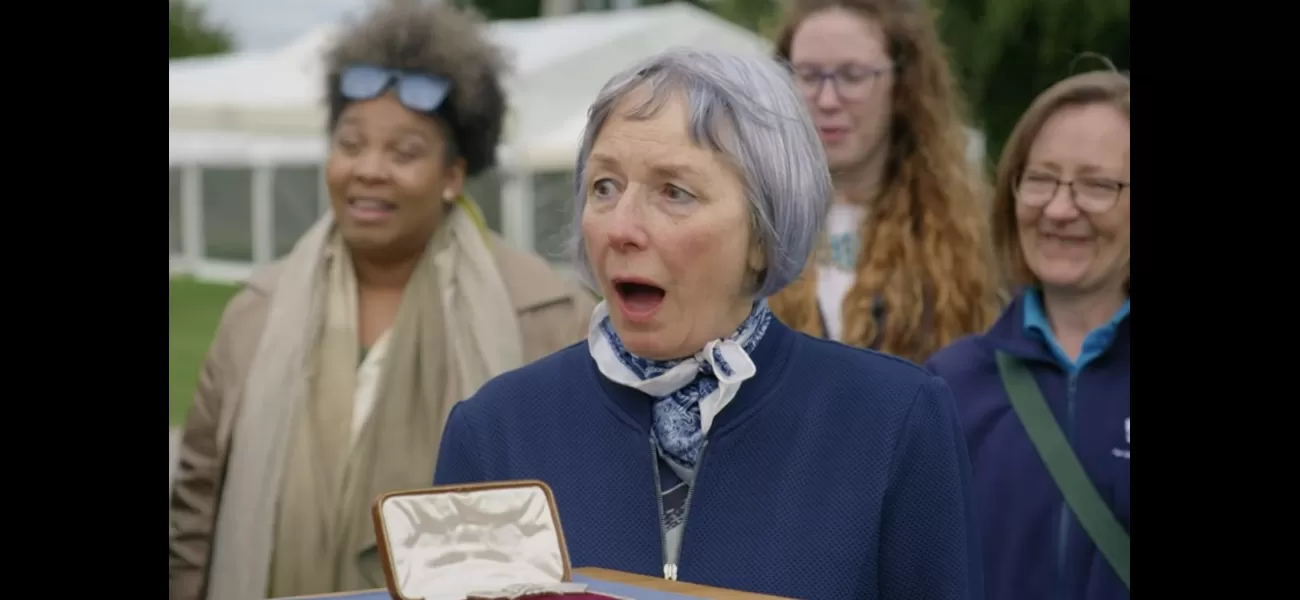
(666, 121)
(658, 146)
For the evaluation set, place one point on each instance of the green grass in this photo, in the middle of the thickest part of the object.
(194, 309)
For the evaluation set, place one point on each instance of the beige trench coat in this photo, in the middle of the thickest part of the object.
(553, 313)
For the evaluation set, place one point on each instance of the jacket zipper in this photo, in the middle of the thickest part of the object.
(670, 563)
(1063, 527)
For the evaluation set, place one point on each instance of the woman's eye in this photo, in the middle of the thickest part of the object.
(809, 76)
(349, 145)
(852, 76)
(603, 188)
(676, 194)
(408, 150)
(1101, 184)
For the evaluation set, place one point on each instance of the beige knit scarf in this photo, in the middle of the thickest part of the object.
(294, 512)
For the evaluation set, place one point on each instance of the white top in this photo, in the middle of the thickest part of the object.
(836, 275)
(363, 399)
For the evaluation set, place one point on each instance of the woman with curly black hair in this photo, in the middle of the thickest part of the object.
(333, 370)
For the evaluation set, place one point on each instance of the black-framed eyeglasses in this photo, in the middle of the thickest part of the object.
(421, 92)
(852, 82)
(1090, 194)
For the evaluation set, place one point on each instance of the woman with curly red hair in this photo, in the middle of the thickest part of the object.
(905, 264)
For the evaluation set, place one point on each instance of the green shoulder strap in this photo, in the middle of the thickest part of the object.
(1093, 513)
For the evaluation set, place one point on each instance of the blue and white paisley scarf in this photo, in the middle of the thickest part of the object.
(689, 391)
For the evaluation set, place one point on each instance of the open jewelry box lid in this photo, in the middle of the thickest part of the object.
(451, 542)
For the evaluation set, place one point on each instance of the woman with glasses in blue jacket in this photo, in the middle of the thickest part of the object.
(333, 370)
(1044, 394)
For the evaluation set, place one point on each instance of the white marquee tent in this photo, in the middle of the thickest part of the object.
(265, 110)
(558, 64)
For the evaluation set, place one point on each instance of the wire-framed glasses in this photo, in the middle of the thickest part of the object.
(852, 82)
(1090, 194)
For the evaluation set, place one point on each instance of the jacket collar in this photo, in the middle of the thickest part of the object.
(1012, 331)
(771, 357)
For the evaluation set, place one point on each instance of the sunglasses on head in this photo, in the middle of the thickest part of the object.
(420, 92)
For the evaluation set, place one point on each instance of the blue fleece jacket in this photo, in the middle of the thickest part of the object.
(835, 473)
(1034, 548)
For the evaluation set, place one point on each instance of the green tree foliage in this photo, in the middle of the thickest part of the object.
(505, 9)
(762, 16)
(1006, 52)
(190, 34)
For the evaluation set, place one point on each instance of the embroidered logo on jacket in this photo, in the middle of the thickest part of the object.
(1122, 452)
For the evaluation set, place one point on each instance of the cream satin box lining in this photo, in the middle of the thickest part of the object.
(487, 540)
(452, 541)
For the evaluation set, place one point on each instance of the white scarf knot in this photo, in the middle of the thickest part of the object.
(689, 392)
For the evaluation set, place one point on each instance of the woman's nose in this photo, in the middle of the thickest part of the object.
(827, 98)
(370, 166)
(626, 221)
(1062, 206)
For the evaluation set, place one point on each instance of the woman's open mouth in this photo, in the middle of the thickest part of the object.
(370, 210)
(638, 300)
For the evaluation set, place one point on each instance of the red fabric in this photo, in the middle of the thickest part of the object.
(582, 596)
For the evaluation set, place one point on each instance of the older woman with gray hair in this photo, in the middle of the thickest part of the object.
(694, 435)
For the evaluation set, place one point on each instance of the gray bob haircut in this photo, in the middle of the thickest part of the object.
(747, 109)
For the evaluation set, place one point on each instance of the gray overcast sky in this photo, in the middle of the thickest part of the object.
(266, 24)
